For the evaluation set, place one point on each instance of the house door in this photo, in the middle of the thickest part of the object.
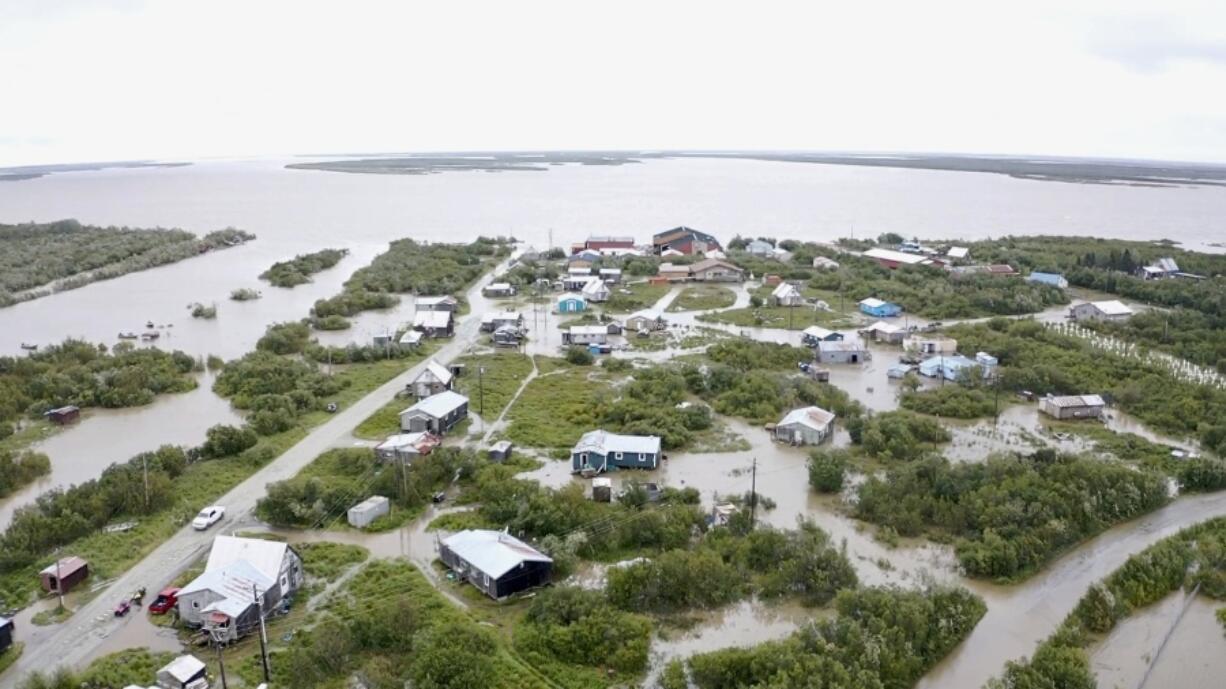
(855, 358)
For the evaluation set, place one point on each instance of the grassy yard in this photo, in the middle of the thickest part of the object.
(703, 298)
(504, 373)
(111, 554)
(556, 409)
(324, 561)
(788, 318)
(635, 296)
(10, 655)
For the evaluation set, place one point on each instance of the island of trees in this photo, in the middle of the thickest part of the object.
(299, 269)
(37, 259)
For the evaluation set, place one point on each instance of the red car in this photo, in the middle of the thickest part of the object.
(167, 599)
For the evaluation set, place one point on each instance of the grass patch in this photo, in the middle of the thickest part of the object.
(10, 655)
(327, 561)
(718, 438)
(788, 318)
(556, 409)
(383, 422)
(635, 296)
(504, 373)
(55, 615)
(703, 298)
(1128, 447)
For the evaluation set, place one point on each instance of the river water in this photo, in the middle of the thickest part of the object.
(299, 211)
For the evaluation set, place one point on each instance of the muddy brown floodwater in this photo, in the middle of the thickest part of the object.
(1194, 657)
(104, 436)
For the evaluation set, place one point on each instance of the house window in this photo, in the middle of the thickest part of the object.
(195, 605)
(619, 455)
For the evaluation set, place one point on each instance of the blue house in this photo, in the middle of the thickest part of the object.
(600, 451)
(879, 309)
(571, 303)
(1053, 279)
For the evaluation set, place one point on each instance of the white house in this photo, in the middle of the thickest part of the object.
(786, 294)
(823, 263)
(1113, 310)
(805, 426)
(586, 334)
(595, 290)
(759, 247)
(222, 599)
(433, 379)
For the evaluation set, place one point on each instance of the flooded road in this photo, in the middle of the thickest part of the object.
(106, 436)
(1194, 657)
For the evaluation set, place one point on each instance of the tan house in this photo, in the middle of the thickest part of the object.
(715, 270)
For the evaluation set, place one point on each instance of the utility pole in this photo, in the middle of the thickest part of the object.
(996, 400)
(753, 496)
(481, 392)
(59, 583)
(221, 663)
(259, 601)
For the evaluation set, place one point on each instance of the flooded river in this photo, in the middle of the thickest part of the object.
(105, 436)
(1194, 657)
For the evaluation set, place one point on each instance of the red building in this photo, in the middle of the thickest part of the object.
(602, 243)
(685, 240)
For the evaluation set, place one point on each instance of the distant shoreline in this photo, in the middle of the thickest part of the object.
(25, 172)
(1080, 171)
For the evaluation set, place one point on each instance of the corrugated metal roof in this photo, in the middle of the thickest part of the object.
(957, 252)
(1076, 401)
(895, 256)
(439, 405)
(818, 332)
(234, 580)
(67, 566)
(183, 668)
(883, 327)
(1113, 307)
(840, 346)
(604, 442)
(432, 319)
(493, 552)
(872, 302)
(812, 417)
(266, 556)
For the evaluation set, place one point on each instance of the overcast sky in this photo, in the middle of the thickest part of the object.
(128, 79)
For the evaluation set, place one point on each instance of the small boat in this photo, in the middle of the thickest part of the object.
(149, 324)
(150, 336)
(30, 347)
(127, 336)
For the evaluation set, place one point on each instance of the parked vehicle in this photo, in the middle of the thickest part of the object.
(122, 609)
(208, 517)
(439, 497)
(167, 599)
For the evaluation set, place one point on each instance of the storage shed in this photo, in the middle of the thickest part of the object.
(500, 451)
(184, 672)
(362, 514)
(842, 352)
(602, 489)
(571, 303)
(62, 576)
(1113, 310)
(497, 563)
(63, 415)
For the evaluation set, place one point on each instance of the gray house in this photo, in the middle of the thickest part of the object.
(600, 450)
(1072, 406)
(1113, 310)
(815, 333)
(495, 562)
(222, 599)
(433, 379)
(842, 352)
(806, 426)
(436, 414)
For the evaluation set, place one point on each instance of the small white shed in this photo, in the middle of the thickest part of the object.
(370, 509)
(184, 672)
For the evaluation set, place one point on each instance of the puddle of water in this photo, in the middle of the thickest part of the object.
(106, 436)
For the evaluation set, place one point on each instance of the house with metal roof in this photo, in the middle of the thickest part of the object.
(491, 322)
(894, 259)
(444, 302)
(684, 240)
(712, 269)
(434, 323)
(926, 345)
(881, 331)
(815, 333)
(601, 450)
(879, 309)
(498, 290)
(433, 379)
(571, 303)
(805, 426)
(407, 447)
(1112, 310)
(1162, 268)
(842, 352)
(586, 334)
(1072, 406)
(786, 294)
(436, 413)
(595, 290)
(1053, 279)
(497, 563)
(949, 367)
(222, 600)
(760, 247)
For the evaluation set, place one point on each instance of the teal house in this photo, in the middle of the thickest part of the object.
(571, 303)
